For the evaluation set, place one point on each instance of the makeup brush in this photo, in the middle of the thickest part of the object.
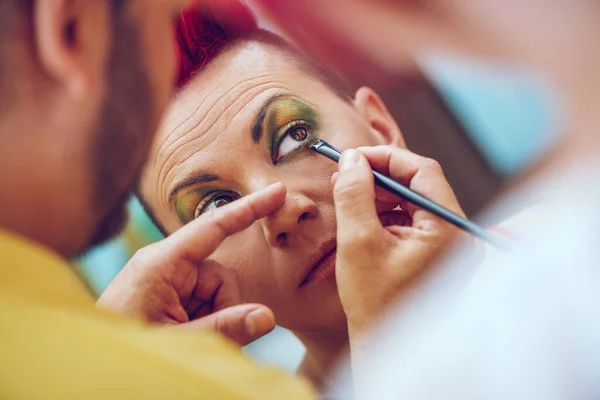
(387, 183)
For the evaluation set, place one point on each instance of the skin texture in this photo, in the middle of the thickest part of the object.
(557, 41)
(488, 27)
(79, 64)
(554, 39)
(210, 124)
(84, 85)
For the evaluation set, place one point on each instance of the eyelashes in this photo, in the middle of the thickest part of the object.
(292, 138)
(215, 200)
(290, 127)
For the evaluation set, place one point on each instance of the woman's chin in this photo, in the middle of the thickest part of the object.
(314, 310)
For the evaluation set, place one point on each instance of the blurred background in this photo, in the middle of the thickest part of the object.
(482, 122)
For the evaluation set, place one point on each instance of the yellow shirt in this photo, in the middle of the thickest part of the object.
(55, 344)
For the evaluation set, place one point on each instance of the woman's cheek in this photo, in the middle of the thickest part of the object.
(246, 254)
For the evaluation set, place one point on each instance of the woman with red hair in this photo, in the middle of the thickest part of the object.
(247, 108)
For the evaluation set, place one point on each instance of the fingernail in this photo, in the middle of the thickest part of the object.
(348, 159)
(334, 177)
(275, 186)
(259, 322)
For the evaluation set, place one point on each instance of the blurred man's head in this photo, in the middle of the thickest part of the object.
(546, 35)
(82, 87)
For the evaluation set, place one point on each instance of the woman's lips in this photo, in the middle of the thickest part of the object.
(324, 269)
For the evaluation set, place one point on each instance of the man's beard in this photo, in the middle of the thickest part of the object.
(112, 224)
(123, 134)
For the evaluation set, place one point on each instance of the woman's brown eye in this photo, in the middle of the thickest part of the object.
(222, 201)
(293, 138)
(217, 201)
(299, 134)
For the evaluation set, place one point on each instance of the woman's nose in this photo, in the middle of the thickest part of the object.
(281, 226)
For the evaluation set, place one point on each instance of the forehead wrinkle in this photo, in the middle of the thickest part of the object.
(175, 144)
(162, 174)
(184, 151)
(168, 144)
(248, 90)
(226, 115)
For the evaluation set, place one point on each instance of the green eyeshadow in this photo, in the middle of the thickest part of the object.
(285, 111)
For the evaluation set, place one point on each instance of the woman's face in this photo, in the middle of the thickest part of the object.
(244, 123)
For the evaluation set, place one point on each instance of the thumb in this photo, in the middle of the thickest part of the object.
(242, 324)
(354, 197)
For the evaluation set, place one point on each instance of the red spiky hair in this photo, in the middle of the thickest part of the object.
(202, 31)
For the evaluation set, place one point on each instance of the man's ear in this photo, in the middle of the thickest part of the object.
(72, 41)
(371, 107)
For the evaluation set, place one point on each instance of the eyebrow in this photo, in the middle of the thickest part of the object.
(257, 129)
(204, 178)
(257, 132)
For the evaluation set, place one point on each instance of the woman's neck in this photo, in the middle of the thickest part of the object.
(324, 354)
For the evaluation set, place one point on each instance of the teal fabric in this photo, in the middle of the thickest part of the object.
(102, 264)
(510, 115)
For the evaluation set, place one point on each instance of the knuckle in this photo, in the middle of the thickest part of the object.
(362, 238)
(215, 217)
(248, 206)
(365, 237)
(211, 216)
(143, 255)
(221, 325)
(432, 165)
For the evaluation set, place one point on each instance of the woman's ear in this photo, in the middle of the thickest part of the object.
(382, 124)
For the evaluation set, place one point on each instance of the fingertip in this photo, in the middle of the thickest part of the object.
(334, 178)
(364, 149)
(354, 170)
(354, 196)
(349, 159)
(277, 191)
(273, 191)
(260, 321)
(278, 187)
(355, 164)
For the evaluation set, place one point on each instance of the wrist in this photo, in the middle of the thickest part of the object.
(359, 353)
(362, 312)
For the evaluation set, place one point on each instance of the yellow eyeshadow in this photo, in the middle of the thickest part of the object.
(283, 112)
(286, 110)
(185, 204)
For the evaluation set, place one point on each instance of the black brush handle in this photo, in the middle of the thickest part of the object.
(419, 200)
